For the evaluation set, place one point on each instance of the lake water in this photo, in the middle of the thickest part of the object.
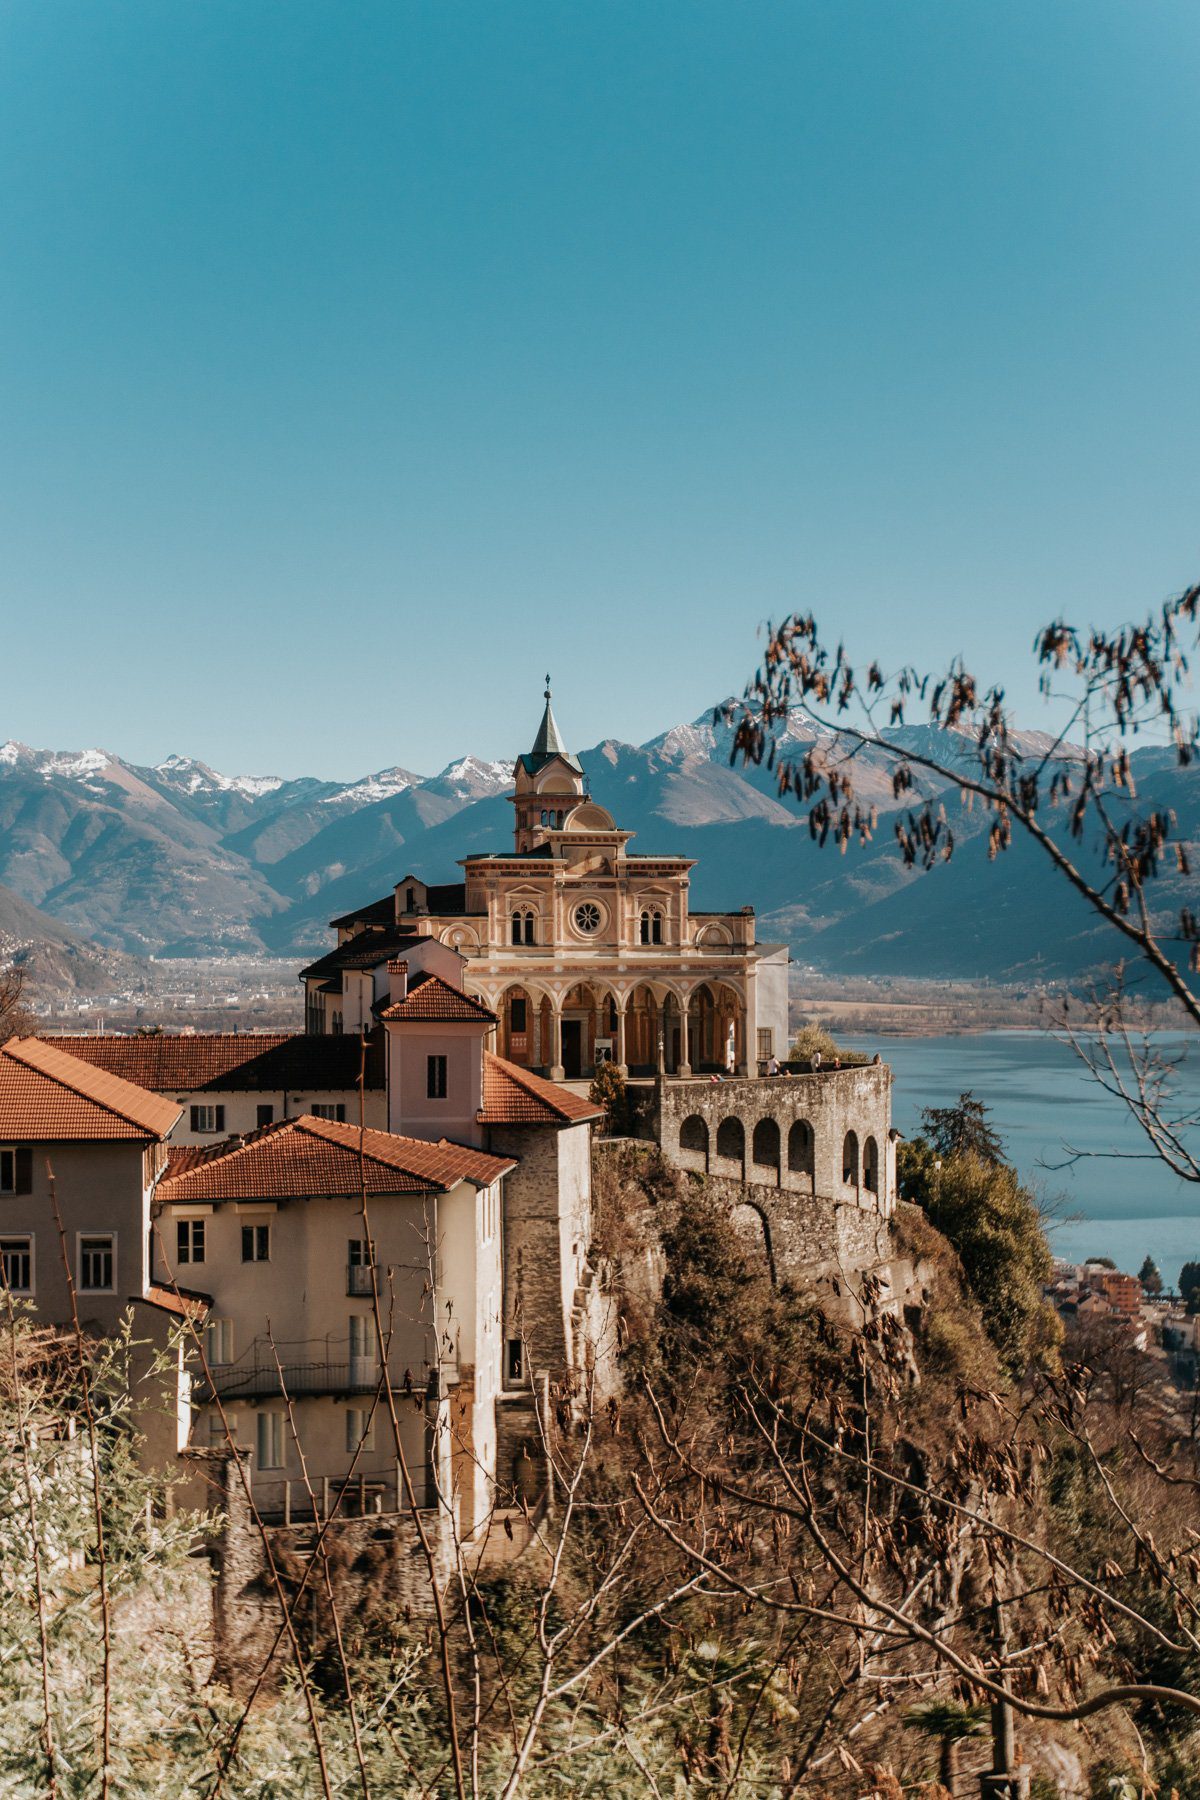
(1044, 1104)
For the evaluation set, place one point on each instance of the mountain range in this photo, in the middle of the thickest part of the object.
(178, 859)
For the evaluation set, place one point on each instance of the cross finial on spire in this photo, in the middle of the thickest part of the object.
(547, 684)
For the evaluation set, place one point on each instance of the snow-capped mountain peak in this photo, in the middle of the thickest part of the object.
(76, 765)
(474, 778)
(196, 777)
(385, 784)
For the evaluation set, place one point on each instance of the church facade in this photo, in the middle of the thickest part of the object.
(583, 948)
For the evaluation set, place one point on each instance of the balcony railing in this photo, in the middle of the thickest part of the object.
(262, 1380)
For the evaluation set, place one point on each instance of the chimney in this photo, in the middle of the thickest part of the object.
(397, 971)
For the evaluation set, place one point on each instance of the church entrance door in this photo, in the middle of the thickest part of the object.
(572, 1048)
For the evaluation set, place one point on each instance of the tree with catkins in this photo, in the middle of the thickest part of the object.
(1074, 801)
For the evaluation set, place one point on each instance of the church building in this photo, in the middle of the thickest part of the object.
(584, 949)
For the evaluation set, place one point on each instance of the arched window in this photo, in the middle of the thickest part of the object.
(693, 1134)
(800, 1148)
(871, 1165)
(545, 817)
(651, 932)
(523, 925)
(731, 1140)
(765, 1144)
(850, 1160)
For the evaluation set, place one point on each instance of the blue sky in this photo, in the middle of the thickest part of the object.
(361, 360)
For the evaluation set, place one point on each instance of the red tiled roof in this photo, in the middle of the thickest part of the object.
(429, 997)
(225, 1061)
(182, 1157)
(307, 1158)
(185, 1303)
(515, 1096)
(48, 1095)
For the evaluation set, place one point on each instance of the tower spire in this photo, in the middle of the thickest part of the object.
(548, 741)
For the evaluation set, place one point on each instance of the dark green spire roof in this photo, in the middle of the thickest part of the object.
(548, 742)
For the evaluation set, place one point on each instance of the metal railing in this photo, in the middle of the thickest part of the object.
(260, 1379)
(286, 1500)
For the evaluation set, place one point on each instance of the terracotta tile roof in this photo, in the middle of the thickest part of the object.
(183, 1156)
(429, 997)
(365, 950)
(48, 1095)
(515, 1096)
(226, 1061)
(185, 1303)
(308, 1158)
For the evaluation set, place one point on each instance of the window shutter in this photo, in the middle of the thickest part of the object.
(195, 1118)
(219, 1111)
(24, 1169)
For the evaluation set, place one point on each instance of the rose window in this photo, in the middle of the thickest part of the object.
(587, 917)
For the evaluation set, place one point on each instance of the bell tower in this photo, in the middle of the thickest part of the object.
(549, 784)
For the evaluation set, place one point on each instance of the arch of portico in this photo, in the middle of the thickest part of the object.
(561, 1026)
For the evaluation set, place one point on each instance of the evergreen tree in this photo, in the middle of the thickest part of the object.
(1189, 1285)
(994, 1223)
(1149, 1277)
(963, 1130)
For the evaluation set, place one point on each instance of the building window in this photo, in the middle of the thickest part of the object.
(270, 1440)
(362, 1347)
(360, 1268)
(360, 1429)
(219, 1429)
(97, 1257)
(336, 1025)
(516, 1362)
(329, 1110)
(265, 1115)
(218, 1341)
(435, 1077)
(587, 917)
(410, 899)
(517, 1013)
(189, 1240)
(16, 1169)
(652, 927)
(256, 1243)
(208, 1118)
(16, 1264)
(766, 1043)
(523, 926)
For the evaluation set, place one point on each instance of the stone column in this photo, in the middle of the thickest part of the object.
(535, 1053)
(685, 1051)
(741, 1029)
(621, 1062)
(557, 1072)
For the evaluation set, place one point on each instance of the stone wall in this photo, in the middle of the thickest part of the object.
(377, 1565)
(547, 1206)
(805, 1162)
